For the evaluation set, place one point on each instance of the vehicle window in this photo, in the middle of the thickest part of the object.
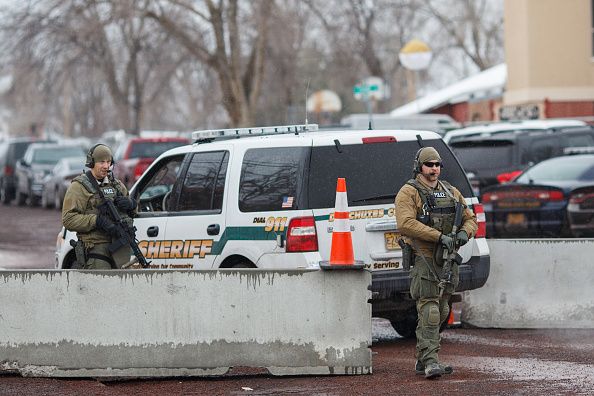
(478, 155)
(18, 151)
(74, 164)
(559, 169)
(3, 152)
(580, 140)
(203, 185)
(271, 179)
(154, 190)
(152, 149)
(540, 149)
(51, 156)
(374, 172)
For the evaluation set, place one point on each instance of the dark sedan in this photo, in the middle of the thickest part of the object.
(534, 204)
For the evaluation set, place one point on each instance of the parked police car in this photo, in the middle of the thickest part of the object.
(264, 198)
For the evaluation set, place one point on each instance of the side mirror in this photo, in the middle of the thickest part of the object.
(22, 163)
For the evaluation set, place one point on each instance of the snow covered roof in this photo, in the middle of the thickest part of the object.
(484, 84)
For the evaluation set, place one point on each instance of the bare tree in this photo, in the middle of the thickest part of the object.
(229, 38)
(373, 31)
(472, 26)
(110, 36)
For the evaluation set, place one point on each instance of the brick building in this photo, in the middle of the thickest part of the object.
(549, 70)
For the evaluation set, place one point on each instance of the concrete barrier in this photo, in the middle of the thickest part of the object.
(190, 323)
(545, 283)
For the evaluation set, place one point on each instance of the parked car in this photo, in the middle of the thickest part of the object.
(58, 180)
(238, 200)
(37, 162)
(580, 212)
(499, 158)
(134, 155)
(11, 150)
(535, 203)
(495, 128)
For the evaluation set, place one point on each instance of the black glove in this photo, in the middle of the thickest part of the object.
(105, 224)
(462, 238)
(447, 241)
(124, 204)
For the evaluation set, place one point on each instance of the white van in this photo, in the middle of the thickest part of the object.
(264, 198)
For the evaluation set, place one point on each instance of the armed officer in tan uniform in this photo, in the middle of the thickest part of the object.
(425, 211)
(80, 211)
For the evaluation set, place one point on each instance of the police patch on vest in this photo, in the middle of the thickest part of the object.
(108, 190)
(439, 194)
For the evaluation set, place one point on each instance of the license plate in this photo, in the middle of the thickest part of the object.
(391, 239)
(516, 219)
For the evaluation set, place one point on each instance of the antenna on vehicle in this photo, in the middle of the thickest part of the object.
(420, 140)
(306, 92)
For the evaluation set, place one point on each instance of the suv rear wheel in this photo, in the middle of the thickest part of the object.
(406, 324)
(4, 196)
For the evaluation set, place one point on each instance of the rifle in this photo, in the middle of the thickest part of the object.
(126, 233)
(450, 256)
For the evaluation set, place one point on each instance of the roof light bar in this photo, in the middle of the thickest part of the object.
(256, 131)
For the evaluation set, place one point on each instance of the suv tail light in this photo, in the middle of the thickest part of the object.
(481, 219)
(508, 176)
(579, 198)
(8, 170)
(301, 235)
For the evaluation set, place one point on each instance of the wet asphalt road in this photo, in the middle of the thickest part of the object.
(28, 237)
(486, 361)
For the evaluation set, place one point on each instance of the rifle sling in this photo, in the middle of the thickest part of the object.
(95, 184)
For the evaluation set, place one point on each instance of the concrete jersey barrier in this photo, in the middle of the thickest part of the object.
(535, 283)
(190, 323)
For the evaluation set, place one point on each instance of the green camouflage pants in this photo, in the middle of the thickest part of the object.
(119, 257)
(432, 311)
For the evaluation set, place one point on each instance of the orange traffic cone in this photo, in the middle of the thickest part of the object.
(451, 318)
(341, 250)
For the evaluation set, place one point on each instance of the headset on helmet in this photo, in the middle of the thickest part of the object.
(90, 161)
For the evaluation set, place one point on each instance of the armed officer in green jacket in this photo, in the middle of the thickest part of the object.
(80, 212)
(425, 212)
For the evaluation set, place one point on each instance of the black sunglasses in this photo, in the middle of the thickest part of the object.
(433, 164)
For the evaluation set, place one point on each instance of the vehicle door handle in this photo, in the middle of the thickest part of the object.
(152, 231)
(213, 229)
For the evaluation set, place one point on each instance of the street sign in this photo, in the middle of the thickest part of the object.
(370, 88)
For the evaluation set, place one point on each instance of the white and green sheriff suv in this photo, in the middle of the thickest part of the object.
(264, 198)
